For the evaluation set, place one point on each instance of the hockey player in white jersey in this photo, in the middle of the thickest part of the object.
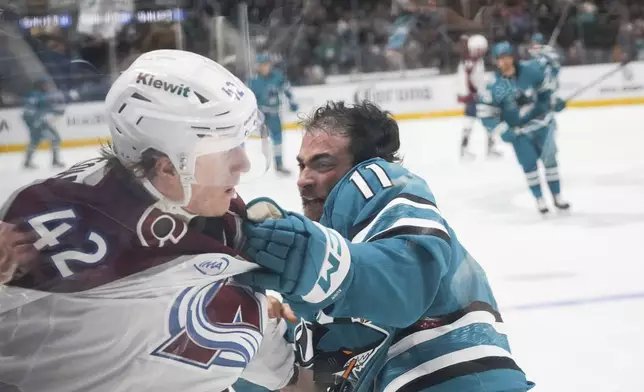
(133, 288)
(470, 78)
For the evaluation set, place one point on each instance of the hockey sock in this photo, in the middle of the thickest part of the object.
(552, 176)
(277, 153)
(534, 183)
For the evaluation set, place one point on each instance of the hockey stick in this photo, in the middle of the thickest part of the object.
(598, 80)
(560, 23)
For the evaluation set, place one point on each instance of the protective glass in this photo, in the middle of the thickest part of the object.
(239, 157)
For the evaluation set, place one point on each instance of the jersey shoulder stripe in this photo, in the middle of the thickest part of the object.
(405, 214)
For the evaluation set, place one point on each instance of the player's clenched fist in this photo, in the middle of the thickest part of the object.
(300, 258)
(16, 249)
(278, 310)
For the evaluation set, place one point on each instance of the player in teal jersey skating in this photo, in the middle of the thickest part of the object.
(268, 86)
(519, 105)
(39, 103)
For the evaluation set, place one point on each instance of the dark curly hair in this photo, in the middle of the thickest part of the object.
(373, 132)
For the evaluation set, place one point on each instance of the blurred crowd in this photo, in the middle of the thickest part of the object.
(82, 49)
(340, 38)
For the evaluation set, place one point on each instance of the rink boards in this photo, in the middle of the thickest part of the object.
(84, 124)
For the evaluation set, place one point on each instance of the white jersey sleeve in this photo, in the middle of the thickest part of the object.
(461, 80)
(470, 77)
(477, 76)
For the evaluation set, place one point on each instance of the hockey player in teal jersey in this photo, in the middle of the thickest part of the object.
(267, 86)
(39, 103)
(390, 299)
(519, 105)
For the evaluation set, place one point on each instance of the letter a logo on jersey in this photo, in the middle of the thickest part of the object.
(217, 324)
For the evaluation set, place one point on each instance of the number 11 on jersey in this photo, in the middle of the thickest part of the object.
(362, 185)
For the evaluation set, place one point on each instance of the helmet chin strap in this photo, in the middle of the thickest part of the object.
(172, 206)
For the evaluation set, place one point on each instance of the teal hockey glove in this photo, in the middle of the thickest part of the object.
(294, 107)
(558, 104)
(301, 259)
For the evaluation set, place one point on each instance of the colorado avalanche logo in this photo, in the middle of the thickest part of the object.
(156, 228)
(217, 324)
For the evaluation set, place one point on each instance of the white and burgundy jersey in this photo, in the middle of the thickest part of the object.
(128, 297)
(470, 76)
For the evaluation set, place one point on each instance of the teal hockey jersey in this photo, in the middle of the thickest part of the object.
(268, 90)
(521, 104)
(38, 104)
(419, 314)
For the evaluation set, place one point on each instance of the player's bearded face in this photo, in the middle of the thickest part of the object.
(216, 176)
(324, 159)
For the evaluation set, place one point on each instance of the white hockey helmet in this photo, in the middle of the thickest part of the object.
(477, 45)
(185, 105)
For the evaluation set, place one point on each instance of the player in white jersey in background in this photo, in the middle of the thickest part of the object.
(132, 289)
(470, 77)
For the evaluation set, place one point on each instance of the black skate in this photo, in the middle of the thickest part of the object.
(493, 153)
(58, 165)
(465, 141)
(543, 208)
(466, 155)
(29, 166)
(561, 204)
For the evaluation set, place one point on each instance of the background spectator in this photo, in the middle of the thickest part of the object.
(310, 39)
